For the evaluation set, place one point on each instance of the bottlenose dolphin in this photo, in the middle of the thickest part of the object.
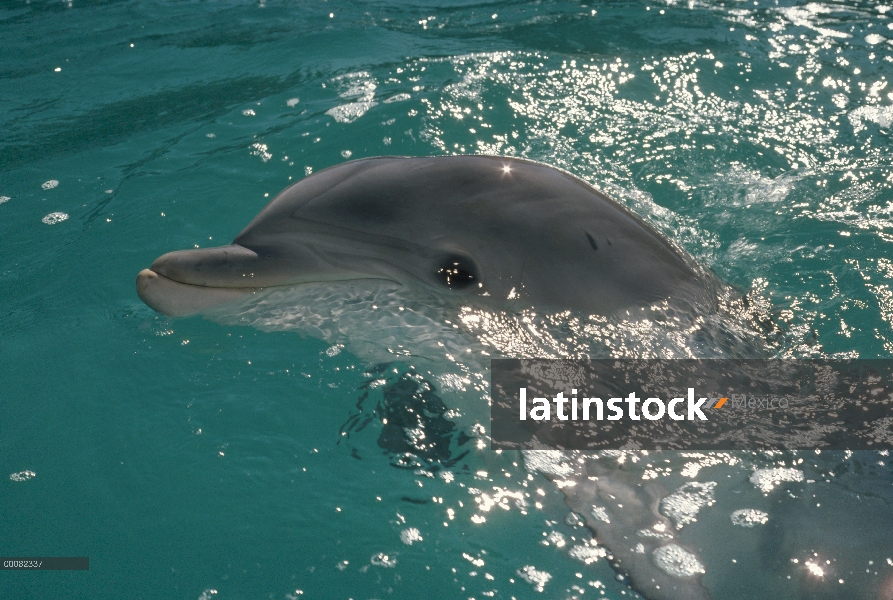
(501, 233)
(510, 235)
(498, 229)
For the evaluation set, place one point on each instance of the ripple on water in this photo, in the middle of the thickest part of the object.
(882, 116)
(348, 113)
(677, 561)
(749, 517)
(54, 218)
(587, 553)
(358, 87)
(683, 505)
(410, 535)
(550, 462)
(538, 579)
(261, 150)
(383, 560)
(600, 514)
(767, 479)
(397, 98)
(22, 475)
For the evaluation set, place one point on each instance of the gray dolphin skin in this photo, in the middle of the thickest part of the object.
(501, 229)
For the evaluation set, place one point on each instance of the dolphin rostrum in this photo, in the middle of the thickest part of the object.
(504, 230)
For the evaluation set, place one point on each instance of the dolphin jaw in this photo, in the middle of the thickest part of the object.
(176, 299)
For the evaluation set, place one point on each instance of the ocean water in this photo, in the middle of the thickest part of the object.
(238, 457)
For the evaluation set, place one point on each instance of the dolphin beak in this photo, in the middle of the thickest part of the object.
(231, 266)
(187, 282)
(177, 299)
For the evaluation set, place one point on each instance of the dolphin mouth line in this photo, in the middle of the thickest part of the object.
(150, 272)
(177, 299)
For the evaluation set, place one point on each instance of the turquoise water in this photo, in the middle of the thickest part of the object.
(192, 458)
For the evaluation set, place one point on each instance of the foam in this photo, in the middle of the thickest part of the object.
(683, 505)
(677, 561)
(749, 517)
(767, 479)
(538, 579)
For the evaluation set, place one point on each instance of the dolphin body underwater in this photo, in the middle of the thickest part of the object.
(500, 233)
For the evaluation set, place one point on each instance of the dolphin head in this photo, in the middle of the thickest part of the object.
(477, 228)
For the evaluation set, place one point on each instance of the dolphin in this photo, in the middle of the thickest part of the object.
(502, 233)
(497, 230)
(514, 234)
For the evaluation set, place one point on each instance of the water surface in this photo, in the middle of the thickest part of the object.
(196, 459)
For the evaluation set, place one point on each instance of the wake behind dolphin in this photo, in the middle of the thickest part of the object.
(498, 230)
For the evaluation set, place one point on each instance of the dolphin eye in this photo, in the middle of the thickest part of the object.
(457, 273)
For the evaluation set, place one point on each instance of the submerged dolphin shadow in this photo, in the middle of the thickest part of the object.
(415, 427)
